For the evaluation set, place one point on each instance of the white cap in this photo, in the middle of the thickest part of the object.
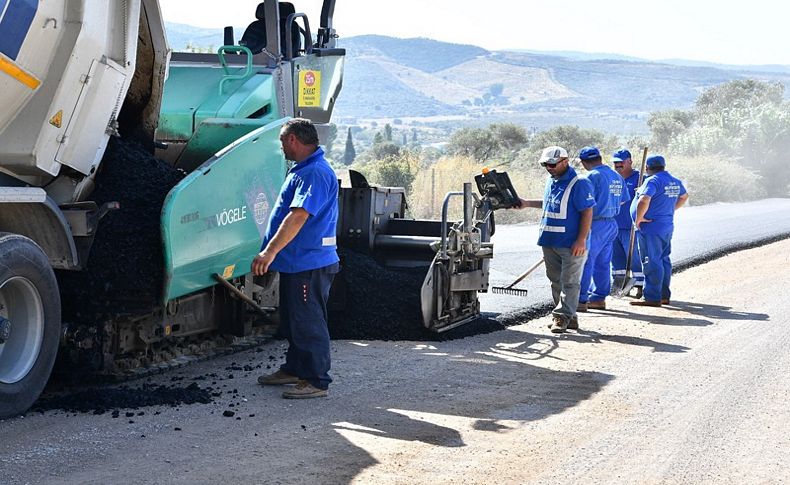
(553, 155)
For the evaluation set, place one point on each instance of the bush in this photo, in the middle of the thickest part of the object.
(393, 171)
(716, 179)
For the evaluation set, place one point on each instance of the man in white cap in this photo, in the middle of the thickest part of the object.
(567, 216)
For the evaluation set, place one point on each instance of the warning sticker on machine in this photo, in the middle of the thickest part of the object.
(309, 89)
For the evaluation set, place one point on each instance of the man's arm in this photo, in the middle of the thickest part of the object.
(641, 210)
(585, 222)
(288, 230)
(531, 204)
(681, 200)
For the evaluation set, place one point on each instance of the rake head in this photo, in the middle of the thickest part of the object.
(502, 290)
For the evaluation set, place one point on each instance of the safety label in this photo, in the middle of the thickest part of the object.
(309, 89)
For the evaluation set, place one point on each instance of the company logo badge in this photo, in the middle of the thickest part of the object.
(261, 209)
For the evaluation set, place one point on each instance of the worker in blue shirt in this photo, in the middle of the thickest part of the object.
(653, 211)
(300, 244)
(596, 282)
(624, 166)
(564, 226)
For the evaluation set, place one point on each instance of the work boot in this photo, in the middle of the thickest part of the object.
(558, 324)
(596, 305)
(304, 390)
(645, 303)
(582, 306)
(572, 325)
(277, 379)
(665, 301)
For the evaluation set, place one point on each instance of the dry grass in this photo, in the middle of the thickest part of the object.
(449, 173)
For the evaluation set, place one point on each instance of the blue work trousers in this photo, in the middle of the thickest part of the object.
(619, 257)
(597, 276)
(303, 321)
(654, 250)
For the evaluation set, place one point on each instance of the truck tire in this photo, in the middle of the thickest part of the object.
(29, 323)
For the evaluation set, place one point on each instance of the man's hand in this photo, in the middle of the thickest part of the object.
(289, 228)
(640, 219)
(260, 265)
(578, 248)
(641, 210)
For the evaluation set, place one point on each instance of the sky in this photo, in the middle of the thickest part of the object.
(721, 31)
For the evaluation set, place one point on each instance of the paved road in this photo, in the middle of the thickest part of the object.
(698, 231)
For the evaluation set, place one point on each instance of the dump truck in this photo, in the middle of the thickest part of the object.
(136, 184)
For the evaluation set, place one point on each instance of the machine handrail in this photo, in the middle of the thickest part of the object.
(444, 221)
(233, 77)
(308, 37)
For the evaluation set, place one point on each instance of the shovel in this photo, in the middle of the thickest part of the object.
(509, 290)
(622, 288)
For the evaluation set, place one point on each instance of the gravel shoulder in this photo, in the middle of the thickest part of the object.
(691, 393)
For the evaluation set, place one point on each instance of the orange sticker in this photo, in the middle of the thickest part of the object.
(228, 271)
(57, 120)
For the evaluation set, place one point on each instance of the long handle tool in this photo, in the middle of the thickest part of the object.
(509, 290)
(629, 281)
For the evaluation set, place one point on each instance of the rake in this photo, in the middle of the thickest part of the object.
(509, 290)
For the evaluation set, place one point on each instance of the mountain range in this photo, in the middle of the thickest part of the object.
(429, 82)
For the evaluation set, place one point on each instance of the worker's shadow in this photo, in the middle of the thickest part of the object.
(656, 319)
(596, 337)
(388, 423)
(718, 312)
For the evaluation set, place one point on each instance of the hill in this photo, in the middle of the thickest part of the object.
(439, 83)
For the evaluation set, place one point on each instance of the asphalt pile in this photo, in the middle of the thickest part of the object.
(380, 303)
(125, 270)
(102, 400)
(130, 401)
(384, 304)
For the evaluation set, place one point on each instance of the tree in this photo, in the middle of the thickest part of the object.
(394, 171)
(378, 138)
(388, 132)
(665, 126)
(331, 136)
(570, 137)
(496, 90)
(738, 97)
(383, 150)
(478, 143)
(501, 140)
(510, 136)
(747, 121)
(350, 152)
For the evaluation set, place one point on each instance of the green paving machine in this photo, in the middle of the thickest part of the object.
(214, 117)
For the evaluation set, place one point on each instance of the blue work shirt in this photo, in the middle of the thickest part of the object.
(311, 185)
(563, 201)
(607, 190)
(624, 216)
(663, 190)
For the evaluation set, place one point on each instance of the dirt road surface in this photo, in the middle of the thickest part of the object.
(696, 392)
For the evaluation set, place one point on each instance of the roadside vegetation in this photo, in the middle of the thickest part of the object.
(731, 146)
